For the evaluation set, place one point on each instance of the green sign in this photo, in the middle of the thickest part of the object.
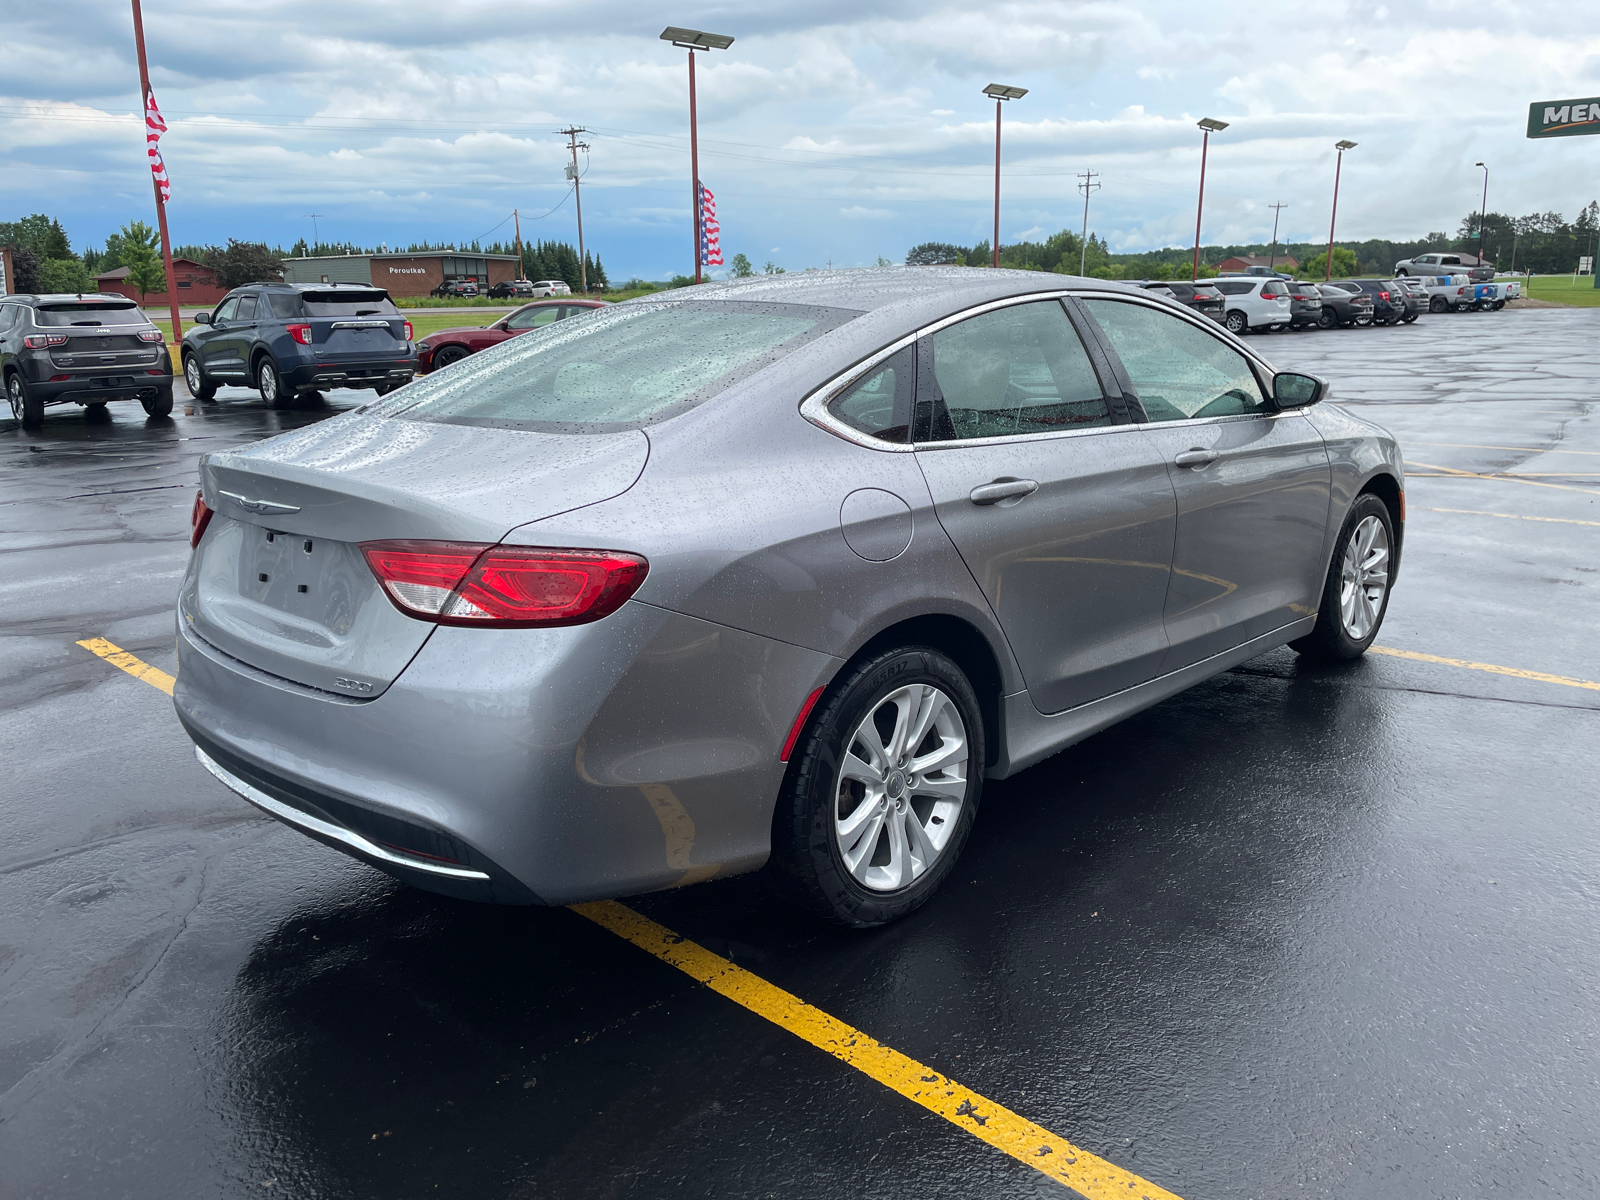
(1564, 118)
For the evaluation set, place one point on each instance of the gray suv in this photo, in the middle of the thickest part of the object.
(1452, 262)
(775, 574)
(80, 349)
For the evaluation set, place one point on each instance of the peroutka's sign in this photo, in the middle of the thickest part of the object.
(1564, 118)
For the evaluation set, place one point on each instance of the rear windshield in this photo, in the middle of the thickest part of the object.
(348, 304)
(615, 368)
(90, 313)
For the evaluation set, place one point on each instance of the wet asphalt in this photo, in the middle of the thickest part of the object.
(1300, 931)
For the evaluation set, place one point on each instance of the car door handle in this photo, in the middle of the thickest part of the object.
(1197, 458)
(1003, 489)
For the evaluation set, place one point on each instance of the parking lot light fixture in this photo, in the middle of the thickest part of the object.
(692, 40)
(1338, 165)
(1483, 212)
(1001, 93)
(1209, 125)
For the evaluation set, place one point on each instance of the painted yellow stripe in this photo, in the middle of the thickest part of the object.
(136, 667)
(1473, 512)
(1003, 1129)
(1514, 672)
(1457, 473)
(1528, 449)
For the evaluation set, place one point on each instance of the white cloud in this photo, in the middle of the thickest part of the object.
(856, 210)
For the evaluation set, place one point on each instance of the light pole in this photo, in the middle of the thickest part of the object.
(1483, 212)
(692, 40)
(1277, 211)
(1338, 165)
(1209, 126)
(1001, 93)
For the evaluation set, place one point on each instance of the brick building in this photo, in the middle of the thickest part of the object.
(402, 274)
(1243, 262)
(197, 284)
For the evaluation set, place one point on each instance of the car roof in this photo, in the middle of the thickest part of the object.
(73, 297)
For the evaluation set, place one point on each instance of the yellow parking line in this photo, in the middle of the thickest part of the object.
(1457, 473)
(1003, 1129)
(138, 668)
(1529, 449)
(1515, 672)
(1473, 512)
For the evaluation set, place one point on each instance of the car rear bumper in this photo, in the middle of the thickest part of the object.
(86, 388)
(350, 373)
(636, 753)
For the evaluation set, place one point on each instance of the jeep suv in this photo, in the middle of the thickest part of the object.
(291, 338)
(80, 349)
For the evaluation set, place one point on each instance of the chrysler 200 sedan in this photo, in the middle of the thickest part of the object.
(774, 573)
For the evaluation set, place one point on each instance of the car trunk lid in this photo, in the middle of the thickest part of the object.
(279, 581)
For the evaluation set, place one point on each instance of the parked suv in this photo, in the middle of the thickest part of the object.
(1451, 263)
(455, 287)
(551, 287)
(1253, 303)
(1305, 304)
(1392, 302)
(88, 350)
(289, 338)
(1202, 297)
(511, 287)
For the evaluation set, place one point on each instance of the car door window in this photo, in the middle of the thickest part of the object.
(880, 404)
(247, 308)
(1178, 370)
(534, 317)
(225, 310)
(1017, 370)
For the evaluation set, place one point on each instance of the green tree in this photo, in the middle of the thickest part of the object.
(239, 263)
(931, 254)
(40, 233)
(883, 262)
(772, 268)
(64, 275)
(741, 268)
(25, 265)
(1345, 264)
(136, 247)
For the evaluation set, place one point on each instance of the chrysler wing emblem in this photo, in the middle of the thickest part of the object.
(260, 506)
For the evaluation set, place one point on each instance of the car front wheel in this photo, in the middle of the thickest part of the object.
(195, 380)
(1355, 596)
(882, 789)
(448, 356)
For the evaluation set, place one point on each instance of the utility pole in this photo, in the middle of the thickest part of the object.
(518, 220)
(1277, 211)
(577, 192)
(316, 236)
(161, 207)
(1086, 184)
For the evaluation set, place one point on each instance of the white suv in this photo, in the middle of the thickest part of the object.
(551, 287)
(1253, 303)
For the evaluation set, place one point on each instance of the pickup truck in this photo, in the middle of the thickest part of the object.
(1449, 293)
(1447, 263)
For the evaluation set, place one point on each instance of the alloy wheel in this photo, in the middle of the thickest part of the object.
(191, 375)
(267, 379)
(1364, 578)
(901, 787)
(14, 395)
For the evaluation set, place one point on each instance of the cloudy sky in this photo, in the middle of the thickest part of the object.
(831, 131)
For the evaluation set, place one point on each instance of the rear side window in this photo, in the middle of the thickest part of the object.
(1178, 370)
(283, 304)
(92, 312)
(1233, 287)
(1017, 370)
(620, 368)
(348, 303)
(880, 404)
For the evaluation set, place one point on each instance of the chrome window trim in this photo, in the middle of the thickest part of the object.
(1050, 435)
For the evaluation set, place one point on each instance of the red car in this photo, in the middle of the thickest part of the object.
(439, 350)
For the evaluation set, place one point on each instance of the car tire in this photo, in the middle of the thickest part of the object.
(1410, 317)
(1327, 320)
(26, 408)
(194, 378)
(159, 405)
(1497, 305)
(1355, 595)
(1236, 323)
(861, 869)
(1437, 304)
(269, 382)
(448, 356)
(1363, 322)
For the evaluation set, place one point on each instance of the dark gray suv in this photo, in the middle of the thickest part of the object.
(80, 349)
(288, 339)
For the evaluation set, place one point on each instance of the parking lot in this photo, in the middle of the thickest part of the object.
(1308, 931)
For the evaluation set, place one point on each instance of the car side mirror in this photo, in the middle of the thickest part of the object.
(200, 319)
(1293, 389)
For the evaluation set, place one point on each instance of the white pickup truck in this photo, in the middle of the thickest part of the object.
(1449, 293)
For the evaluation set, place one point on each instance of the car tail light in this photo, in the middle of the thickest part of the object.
(150, 335)
(1383, 296)
(300, 333)
(199, 518)
(38, 341)
(408, 331)
(468, 583)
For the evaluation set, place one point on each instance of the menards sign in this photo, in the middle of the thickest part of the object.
(1564, 118)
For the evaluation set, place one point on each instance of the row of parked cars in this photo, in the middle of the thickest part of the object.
(505, 290)
(1274, 302)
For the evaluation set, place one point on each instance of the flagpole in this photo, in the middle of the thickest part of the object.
(161, 208)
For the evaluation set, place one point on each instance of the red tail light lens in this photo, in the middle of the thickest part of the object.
(408, 331)
(199, 518)
(150, 335)
(468, 583)
(40, 341)
(300, 333)
(1384, 296)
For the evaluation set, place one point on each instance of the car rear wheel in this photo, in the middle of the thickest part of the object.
(195, 379)
(1356, 594)
(159, 405)
(26, 408)
(1409, 317)
(449, 355)
(1327, 320)
(882, 789)
(1237, 322)
(270, 384)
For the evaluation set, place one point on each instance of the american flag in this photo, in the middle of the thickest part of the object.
(154, 127)
(710, 231)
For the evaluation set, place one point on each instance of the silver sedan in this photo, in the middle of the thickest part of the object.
(768, 574)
